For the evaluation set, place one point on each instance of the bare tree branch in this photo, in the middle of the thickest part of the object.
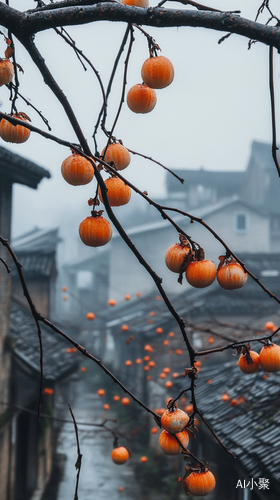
(26, 24)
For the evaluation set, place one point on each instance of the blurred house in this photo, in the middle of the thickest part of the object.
(26, 444)
(241, 207)
(36, 251)
(13, 169)
(251, 429)
(257, 186)
(33, 444)
(32, 454)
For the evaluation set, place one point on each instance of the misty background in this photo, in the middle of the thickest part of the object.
(218, 103)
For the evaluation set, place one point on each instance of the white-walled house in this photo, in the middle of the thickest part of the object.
(240, 206)
(243, 228)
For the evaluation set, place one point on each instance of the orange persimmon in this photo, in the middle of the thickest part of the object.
(270, 325)
(118, 192)
(154, 430)
(101, 392)
(141, 98)
(249, 365)
(117, 154)
(6, 71)
(231, 275)
(166, 370)
(270, 358)
(95, 231)
(157, 72)
(125, 401)
(169, 443)
(176, 255)
(201, 273)
(14, 133)
(136, 3)
(77, 170)
(174, 421)
(120, 455)
(200, 483)
(111, 302)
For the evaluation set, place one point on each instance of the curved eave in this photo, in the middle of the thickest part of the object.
(21, 170)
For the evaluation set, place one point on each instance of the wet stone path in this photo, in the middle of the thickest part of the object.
(99, 476)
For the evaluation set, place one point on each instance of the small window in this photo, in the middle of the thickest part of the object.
(241, 223)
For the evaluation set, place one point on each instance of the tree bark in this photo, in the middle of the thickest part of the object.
(23, 24)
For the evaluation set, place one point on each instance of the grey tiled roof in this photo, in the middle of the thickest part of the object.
(36, 264)
(195, 302)
(36, 251)
(37, 240)
(57, 363)
(21, 169)
(250, 430)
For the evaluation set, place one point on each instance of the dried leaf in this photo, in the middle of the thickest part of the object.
(222, 260)
(23, 115)
(9, 52)
(20, 68)
(199, 253)
(238, 351)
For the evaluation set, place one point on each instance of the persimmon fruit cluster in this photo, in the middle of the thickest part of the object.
(201, 273)
(268, 359)
(157, 72)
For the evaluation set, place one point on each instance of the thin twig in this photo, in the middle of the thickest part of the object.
(272, 101)
(56, 419)
(8, 269)
(158, 163)
(124, 82)
(78, 463)
(31, 105)
(198, 6)
(104, 106)
(214, 434)
(80, 54)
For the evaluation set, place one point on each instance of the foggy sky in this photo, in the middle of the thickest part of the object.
(217, 104)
